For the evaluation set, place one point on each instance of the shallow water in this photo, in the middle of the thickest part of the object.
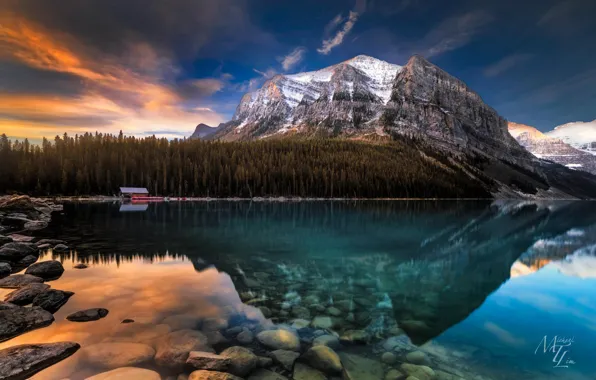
(478, 287)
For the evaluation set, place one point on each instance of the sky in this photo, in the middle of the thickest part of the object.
(161, 67)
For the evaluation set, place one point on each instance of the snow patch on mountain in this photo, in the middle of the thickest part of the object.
(581, 135)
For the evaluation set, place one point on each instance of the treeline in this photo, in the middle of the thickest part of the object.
(98, 164)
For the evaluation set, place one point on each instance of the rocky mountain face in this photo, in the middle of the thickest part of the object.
(550, 148)
(203, 131)
(580, 135)
(366, 98)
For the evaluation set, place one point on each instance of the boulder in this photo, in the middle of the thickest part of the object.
(324, 359)
(417, 357)
(51, 242)
(17, 281)
(264, 362)
(243, 361)
(5, 240)
(245, 337)
(279, 340)
(357, 367)
(22, 238)
(388, 358)
(208, 361)
(48, 270)
(127, 373)
(61, 248)
(211, 375)
(173, 348)
(5, 270)
(25, 295)
(420, 372)
(18, 320)
(15, 251)
(285, 358)
(355, 337)
(52, 299)
(304, 372)
(394, 374)
(264, 374)
(88, 315)
(26, 261)
(116, 355)
(323, 322)
(24, 361)
(35, 225)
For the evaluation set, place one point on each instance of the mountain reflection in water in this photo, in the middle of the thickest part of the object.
(438, 271)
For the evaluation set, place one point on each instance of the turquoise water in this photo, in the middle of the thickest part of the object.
(478, 286)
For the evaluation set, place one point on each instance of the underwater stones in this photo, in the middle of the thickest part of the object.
(26, 261)
(25, 295)
(397, 343)
(245, 336)
(35, 225)
(311, 299)
(46, 269)
(252, 282)
(127, 373)
(208, 361)
(215, 338)
(181, 322)
(242, 360)
(81, 266)
(279, 340)
(51, 242)
(172, 349)
(300, 324)
(285, 358)
(88, 315)
(394, 374)
(442, 375)
(333, 311)
(5, 270)
(233, 331)
(388, 358)
(323, 322)
(264, 362)
(19, 280)
(355, 337)
(357, 367)
(61, 248)
(214, 324)
(52, 299)
(414, 326)
(416, 357)
(211, 375)
(266, 311)
(116, 355)
(300, 312)
(324, 359)
(421, 372)
(264, 374)
(345, 305)
(304, 372)
(15, 251)
(327, 340)
(24, 361)
(17, 320)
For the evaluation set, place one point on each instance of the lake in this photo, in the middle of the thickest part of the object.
(485, 290)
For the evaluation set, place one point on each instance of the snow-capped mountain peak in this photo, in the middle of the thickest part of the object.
(579, 134)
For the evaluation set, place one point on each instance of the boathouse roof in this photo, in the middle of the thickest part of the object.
(134, 190)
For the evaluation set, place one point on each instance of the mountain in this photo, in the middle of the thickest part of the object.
(417, 104)
(578, 134)
(543, 146)
(202, 131)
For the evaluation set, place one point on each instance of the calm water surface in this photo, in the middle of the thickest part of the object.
(482, 288)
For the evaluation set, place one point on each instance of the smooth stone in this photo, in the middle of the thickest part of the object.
(182, 322)
(245, 337)
(17, 320)
(322, 322)
(51, 242)
(24, 361)
(35, 225)
(81, 266)
(442, 375)
(357, 367)
(304, 372)
(388, 358)
(17, 238)
(327, 340)
(17, 281)
(116, 355)
(5, 240)
(417, 357)
(324, 359)
(173, 349)
(265, 374)
(333, 311)
(243, 361)
(212, 375)
(5, 270)
(15, 251)
(345, 305)
(285, 358)
(61, 248)
(214, 324)
(52, 299)
(46, 269)
(215, 338)
(394, 374)
(44, 246)
(266, 311)
(300, 324)
(414, 326)
(355, 337)
(300, 312)
(233, 331)
(397, 343)
(279, 340)
(208, 361)
(25, 295)
(26, 261)
(264, 362)
(88, 315)
(421, 372)
(127, 373)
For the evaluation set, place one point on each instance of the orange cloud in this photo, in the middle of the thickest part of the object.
(128, 92)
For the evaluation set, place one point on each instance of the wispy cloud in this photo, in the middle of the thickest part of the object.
(330, 43)
(268, 74)
(293, 58)
(454, 32)
(559, 10)
(506, 63)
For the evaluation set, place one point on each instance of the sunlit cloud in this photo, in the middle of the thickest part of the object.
(293, 58)
(331, 43)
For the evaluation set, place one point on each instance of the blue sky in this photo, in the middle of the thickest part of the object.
(150, 66)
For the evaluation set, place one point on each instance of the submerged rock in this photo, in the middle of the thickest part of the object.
(17, 320)
(51, 242)
(25, 295)
(421, 372)
(208, 361)
(327, 340)
(17, 281)
(116, 355)
(357, 367)
(243, 361)
(35, 225)
(173, 348)
(5, 270)
(26, 261)
(182, 322)
(46, 269)
(304, 372)
(417, 357)
(265, 374)
(245, 337)
(127, 373)
(80, 266)
(212, 375)
(388, 358)
(394, 374)
(61, 248)
(52, 300)
(24, 361)
(279, 340)
(285, 358)
(87, 315)
(324, 359)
